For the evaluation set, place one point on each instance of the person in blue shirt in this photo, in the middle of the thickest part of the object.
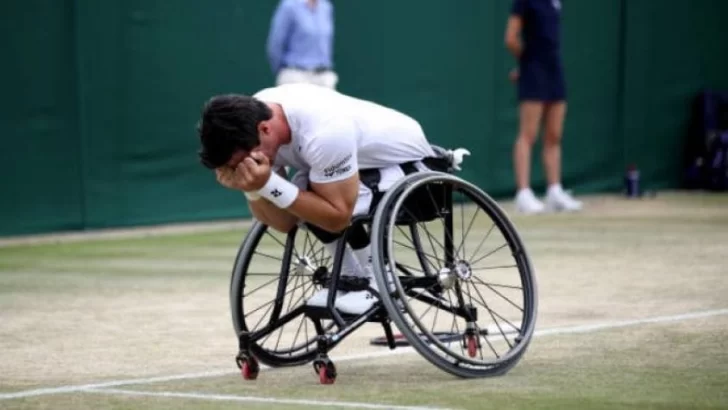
(533, 36)
(300, 43)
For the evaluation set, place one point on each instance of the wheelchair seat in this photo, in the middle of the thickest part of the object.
(431, 201)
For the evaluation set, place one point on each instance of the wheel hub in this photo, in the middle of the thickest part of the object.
(448, 277)
(304, 266)
(463, 270)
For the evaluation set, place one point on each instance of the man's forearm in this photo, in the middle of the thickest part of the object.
(308, 206)
(312, 208)
(269, 214)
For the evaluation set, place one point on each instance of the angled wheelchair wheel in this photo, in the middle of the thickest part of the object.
(273, 277)
(463, 291)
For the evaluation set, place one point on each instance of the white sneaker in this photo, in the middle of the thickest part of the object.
(559, 200)
(356, 303)
(527, 203)
(319, 298)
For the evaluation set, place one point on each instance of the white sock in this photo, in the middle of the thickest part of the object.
(364, 257)
(523, 191)
(554, 189)
(349, 266)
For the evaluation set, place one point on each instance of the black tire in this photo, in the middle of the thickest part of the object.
(457, 284)
(282, 291)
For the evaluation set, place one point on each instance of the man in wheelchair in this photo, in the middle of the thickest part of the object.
(346, 152)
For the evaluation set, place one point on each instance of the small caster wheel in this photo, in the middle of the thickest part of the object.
(327, 374)
(326, 371)
(250, 368)
(472, 345)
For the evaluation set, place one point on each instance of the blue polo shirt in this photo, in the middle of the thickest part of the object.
(300, 36)
(541, 28)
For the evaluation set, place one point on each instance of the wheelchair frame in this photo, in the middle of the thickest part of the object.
(391, 304)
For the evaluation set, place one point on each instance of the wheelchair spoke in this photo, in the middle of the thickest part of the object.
(298, 331)
(425, 289)
(494, 267)
(420, 251)
(283, 245)
(434, 321)
(493, 314)
(424, 226)
(271, 302)
(327, 261)
(507, 299)
(487, 341)
(407, 269)
(320, 257)
(508, 322)
(465, 235)
(489, 254)
(261, 286)
(448, 234)
(416, 250)
(478, 329)
(265, 255)
(499, 285)
(490, 345)
(264, 315)
(462, 225)
(278, 274)
(420, 318)
(454, 327)
(306, 242)
(430, 237)
(280, 331)
(278, 341)
(482, 241)
(296, 280)
(306, 288)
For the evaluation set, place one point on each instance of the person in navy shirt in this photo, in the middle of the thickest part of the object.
(300, 43)
(533, 36)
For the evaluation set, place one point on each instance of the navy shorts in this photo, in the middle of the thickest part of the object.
(541, 81)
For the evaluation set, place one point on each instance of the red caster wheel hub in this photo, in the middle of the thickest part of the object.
(326, 372)
(250, 369)
(472, 345)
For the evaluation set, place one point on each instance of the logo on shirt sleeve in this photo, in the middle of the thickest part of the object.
(338, 168)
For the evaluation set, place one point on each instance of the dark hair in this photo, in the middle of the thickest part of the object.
(229, 122)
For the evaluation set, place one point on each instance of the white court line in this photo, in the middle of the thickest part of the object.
(400, 350)
(226, 397)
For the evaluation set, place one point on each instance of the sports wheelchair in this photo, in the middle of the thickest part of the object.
(466, 305)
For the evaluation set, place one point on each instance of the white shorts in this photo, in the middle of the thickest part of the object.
(389, 176)
(327, 79)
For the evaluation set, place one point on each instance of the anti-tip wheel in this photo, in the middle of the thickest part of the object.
(472, 345)
(326, 372)
(250, 369)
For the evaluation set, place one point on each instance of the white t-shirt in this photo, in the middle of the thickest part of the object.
(334, 135)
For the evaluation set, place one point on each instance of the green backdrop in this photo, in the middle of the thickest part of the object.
(102, 97)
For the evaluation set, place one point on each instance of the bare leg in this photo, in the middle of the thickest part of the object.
(556, 198)
(530, 118)
(554, 114)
